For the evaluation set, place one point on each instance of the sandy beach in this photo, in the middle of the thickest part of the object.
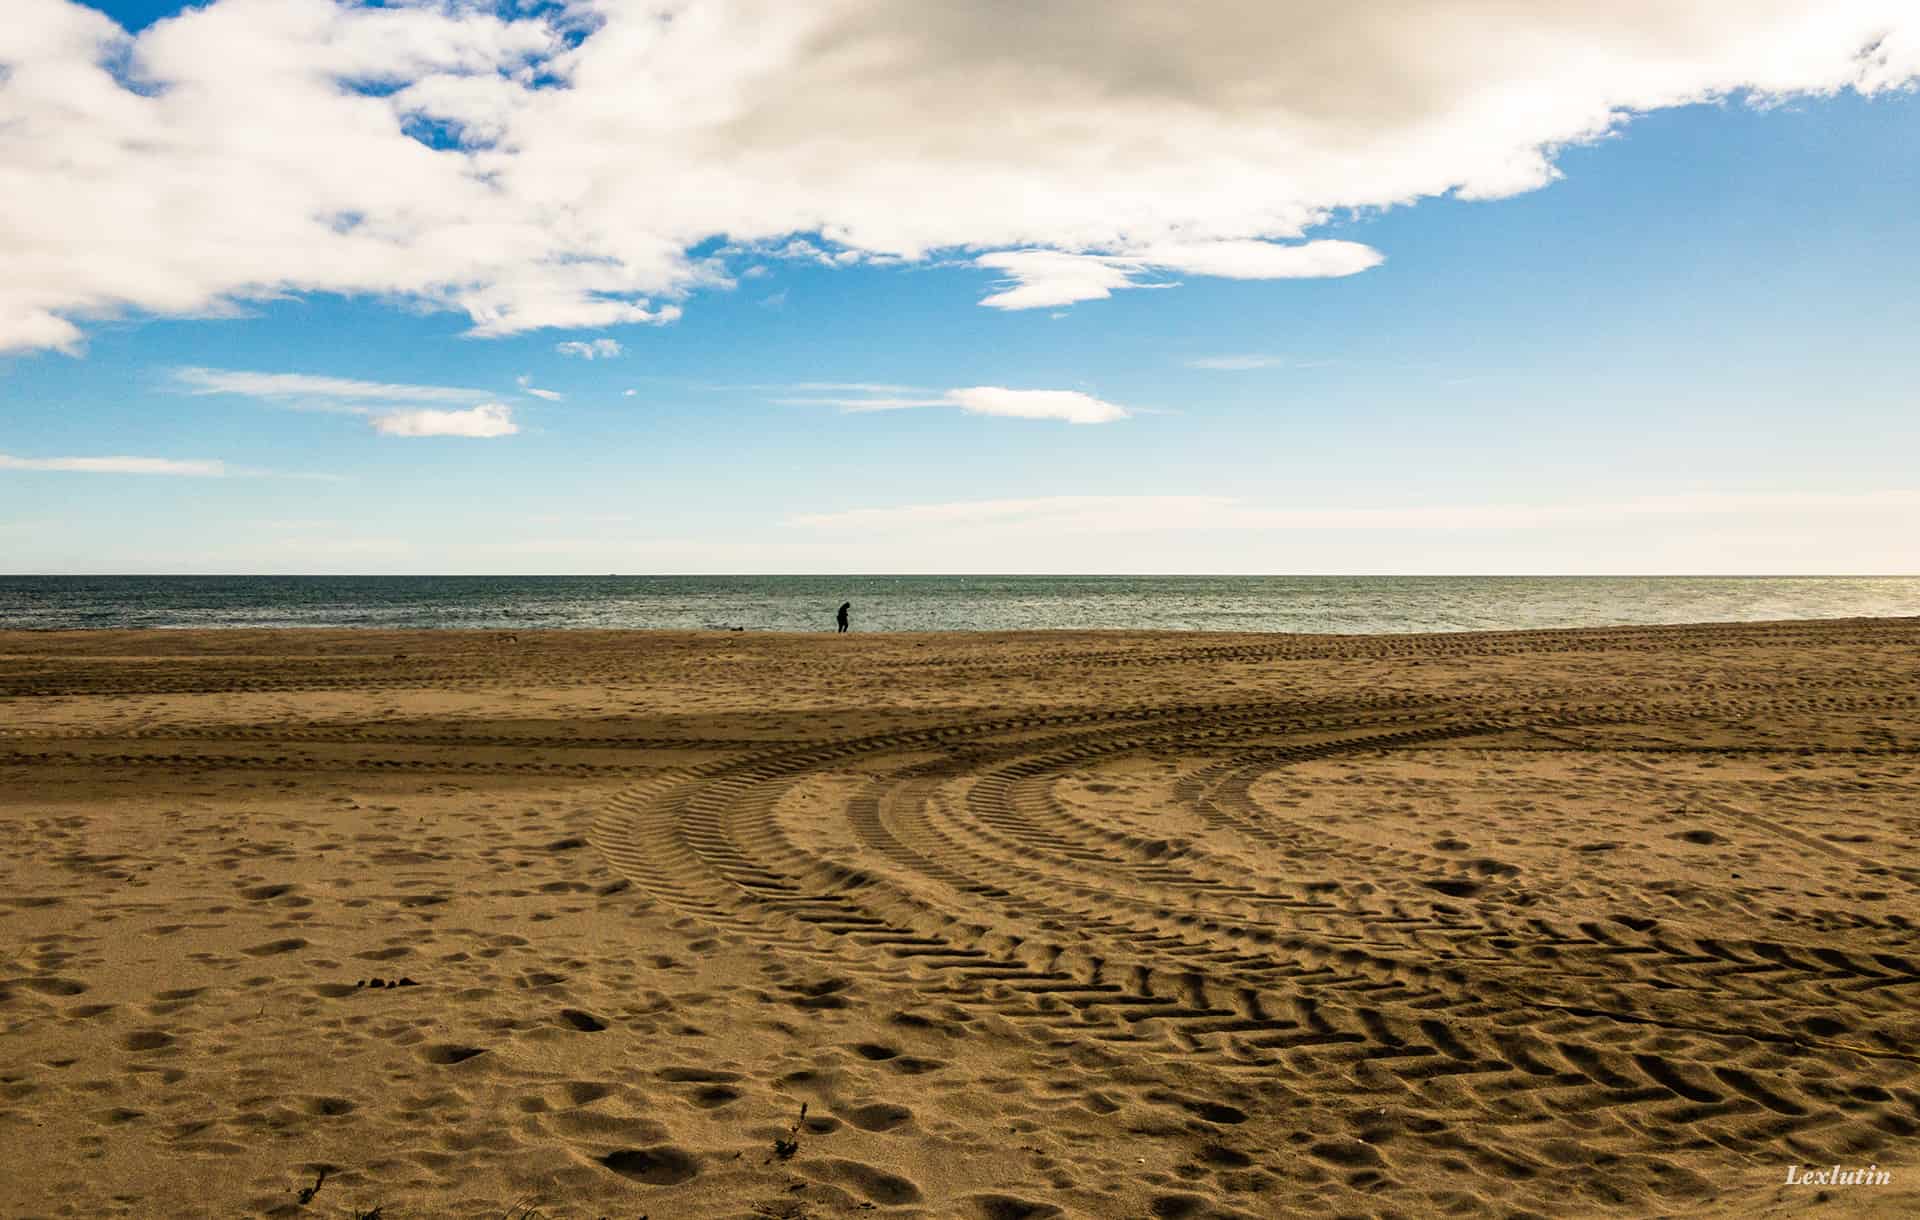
(1028, 925)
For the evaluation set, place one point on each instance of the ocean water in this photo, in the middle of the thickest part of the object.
(1359, 604)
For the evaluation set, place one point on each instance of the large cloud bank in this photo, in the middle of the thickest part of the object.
(562, 169)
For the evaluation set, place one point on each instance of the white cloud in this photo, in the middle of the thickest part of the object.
(117, 465)
(1046, 278)
(304, 386)
(1236, 364)
(1070, 405)
(529, 178)
(590, 349)
(1263, 260)
(486, 420)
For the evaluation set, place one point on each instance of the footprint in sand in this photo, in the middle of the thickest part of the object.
(878, 1116)
(662, 1165)
(886, 1189)
(689, 1075)
(1188, 1207)
(610, 1128)
(586, 1092)
(1217, 1112)
(1010, 1207)
(448, 1053)
(54, 986)
(1705, 838)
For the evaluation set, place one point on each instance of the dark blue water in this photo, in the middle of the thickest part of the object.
(942, 603)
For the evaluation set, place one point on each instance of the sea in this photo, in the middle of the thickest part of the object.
(1337, 604)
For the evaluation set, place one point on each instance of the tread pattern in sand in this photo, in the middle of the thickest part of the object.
(1282, 944)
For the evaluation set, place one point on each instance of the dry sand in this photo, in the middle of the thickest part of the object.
(1093, 925)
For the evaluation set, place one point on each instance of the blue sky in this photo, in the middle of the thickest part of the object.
(1689, 348)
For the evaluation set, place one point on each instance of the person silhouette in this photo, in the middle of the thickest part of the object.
(841, 617)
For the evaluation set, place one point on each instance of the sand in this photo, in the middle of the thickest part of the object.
(1031, 925)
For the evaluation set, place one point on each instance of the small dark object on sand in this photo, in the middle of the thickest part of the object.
(784, 1148)
(307, 1192)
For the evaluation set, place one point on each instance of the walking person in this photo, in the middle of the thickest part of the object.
(841, 617)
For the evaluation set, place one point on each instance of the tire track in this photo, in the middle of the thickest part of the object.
(1080, 932)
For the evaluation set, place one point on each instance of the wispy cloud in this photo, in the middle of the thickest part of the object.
(1056, 511)
(589, 349)
(285, 386)
(482, 422)
(584, 518)
(527, 387)
(1235, 364)
(1128, 514)
(852, 387)
(327, 540)
(870, 402)
(344, 396)
(199, 468)
(1072, 406)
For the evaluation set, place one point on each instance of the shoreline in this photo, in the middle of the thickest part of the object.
(805, 605)
(1170, 633)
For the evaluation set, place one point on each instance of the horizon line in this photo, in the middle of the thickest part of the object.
(965, 575)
